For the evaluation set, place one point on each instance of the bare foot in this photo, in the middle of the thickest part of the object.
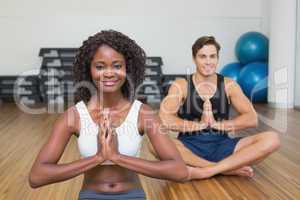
(207, 172)
(200, 173)
(243, 171)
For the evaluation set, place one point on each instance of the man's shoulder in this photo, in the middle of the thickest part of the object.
(179, 83)
(180, 80)
(230, 85)
(178, 88)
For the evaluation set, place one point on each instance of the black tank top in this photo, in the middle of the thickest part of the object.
(193, 105)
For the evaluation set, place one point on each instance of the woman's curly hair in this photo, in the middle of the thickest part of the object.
(134, 55)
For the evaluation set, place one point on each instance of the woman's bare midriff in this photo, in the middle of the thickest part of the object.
(110, 178)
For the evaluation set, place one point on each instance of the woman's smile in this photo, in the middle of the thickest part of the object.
(110, 83)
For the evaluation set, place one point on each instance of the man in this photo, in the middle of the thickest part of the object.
(198, 108)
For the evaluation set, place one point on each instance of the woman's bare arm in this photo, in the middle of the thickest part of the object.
(46, 169)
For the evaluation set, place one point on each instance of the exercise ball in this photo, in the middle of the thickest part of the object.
(252, 47)
(254, 81)
(232, 70)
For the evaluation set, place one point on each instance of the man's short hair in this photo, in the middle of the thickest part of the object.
(205, 40)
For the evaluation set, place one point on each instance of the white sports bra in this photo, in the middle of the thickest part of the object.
(129, 139)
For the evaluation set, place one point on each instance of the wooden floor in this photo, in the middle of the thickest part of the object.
(22, 135)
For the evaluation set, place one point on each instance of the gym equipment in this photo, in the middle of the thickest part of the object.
(24, 89)
(254, 81)
(232, 70)
(252, 47)
(150, 90)
(56, 74)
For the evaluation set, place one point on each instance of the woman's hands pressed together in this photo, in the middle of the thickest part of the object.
(107, 139)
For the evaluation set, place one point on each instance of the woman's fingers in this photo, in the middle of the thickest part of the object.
(106, 120)
(109, 134)
(101, 125)
(102, 129)
(105, 114)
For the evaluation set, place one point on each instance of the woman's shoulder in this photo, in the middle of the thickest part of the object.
(146, 110)
(70, 119)
(147, 116)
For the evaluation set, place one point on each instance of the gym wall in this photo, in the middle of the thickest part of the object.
(164, 28)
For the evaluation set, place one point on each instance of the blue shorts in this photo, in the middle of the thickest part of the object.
(211, 146)
(134, 194)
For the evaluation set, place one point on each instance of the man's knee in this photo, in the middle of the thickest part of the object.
(271, 141)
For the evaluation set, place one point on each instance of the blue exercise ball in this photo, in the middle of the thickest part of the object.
(232, 70)
(252, 47)
(254, 81)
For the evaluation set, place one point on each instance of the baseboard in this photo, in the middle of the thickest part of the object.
(280, 105)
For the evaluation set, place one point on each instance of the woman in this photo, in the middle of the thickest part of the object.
(109, 124)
